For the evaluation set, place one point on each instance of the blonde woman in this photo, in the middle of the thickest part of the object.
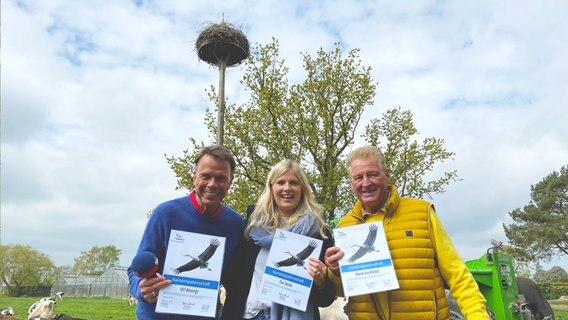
(287, 203)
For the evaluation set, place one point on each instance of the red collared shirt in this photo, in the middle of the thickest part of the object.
(193, 199)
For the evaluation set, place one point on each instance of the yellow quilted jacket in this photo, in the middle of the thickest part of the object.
(424, 257)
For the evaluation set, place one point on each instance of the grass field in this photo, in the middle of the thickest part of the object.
(560, 309)
(561, 315)
(77, 307)
(118, 309)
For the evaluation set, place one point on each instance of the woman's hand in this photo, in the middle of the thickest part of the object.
(150, 287)
(318, 271)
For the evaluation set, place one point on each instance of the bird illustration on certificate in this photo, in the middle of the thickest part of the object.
(286, 279)
(193, 264)
(366, 266)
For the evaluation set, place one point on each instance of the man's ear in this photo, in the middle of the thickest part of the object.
(350, 185)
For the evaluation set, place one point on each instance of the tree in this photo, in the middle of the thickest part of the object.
(407, 159)
(523, 262)
(23, 266)
(64, 269)
(313, 122)
(97, 260)
(540, 229)
(555, 274)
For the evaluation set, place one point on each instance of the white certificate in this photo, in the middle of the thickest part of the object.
(366, 266)
(286, 280)
(193, 264)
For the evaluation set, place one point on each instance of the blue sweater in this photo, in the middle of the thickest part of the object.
(180, 214)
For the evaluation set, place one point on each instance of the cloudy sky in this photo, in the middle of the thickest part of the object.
(94, 93)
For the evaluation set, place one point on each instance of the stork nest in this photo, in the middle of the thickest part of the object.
(222, 42)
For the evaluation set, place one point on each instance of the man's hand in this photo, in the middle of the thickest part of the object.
(150, 287)
(332, 256)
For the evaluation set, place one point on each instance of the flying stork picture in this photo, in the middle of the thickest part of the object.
(368, 245)
(202, 260)
(193, 264)
(286, 279)
(367, 266)
(299, 258)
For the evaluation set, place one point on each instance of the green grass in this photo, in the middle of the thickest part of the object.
(78, 307)
(560, 309)
(118, 309)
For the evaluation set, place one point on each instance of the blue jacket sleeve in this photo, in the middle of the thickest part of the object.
(134, 284)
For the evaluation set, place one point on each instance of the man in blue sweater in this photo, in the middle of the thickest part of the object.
(200, 212)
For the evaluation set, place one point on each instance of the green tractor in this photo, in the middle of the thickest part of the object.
(495, 274)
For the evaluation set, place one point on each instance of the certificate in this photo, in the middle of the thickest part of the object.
(286, 280)
(193, 264)
(366, 266)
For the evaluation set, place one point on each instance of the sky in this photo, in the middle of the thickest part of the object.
(95, 93)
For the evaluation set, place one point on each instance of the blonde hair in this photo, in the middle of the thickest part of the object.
(265, 214)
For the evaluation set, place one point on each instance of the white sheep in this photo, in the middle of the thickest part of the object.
(59, 295)
(7, 311)
(131, 300)
(42, 309)
(334, 311)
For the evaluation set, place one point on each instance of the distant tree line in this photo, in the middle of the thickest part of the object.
(22, 266)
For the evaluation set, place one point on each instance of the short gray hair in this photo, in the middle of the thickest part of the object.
(364, 153)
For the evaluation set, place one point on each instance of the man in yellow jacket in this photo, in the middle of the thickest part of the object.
(423, 255)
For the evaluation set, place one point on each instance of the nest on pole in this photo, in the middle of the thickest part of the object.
(222, 42)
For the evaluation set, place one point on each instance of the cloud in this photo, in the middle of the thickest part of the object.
(94, 95)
